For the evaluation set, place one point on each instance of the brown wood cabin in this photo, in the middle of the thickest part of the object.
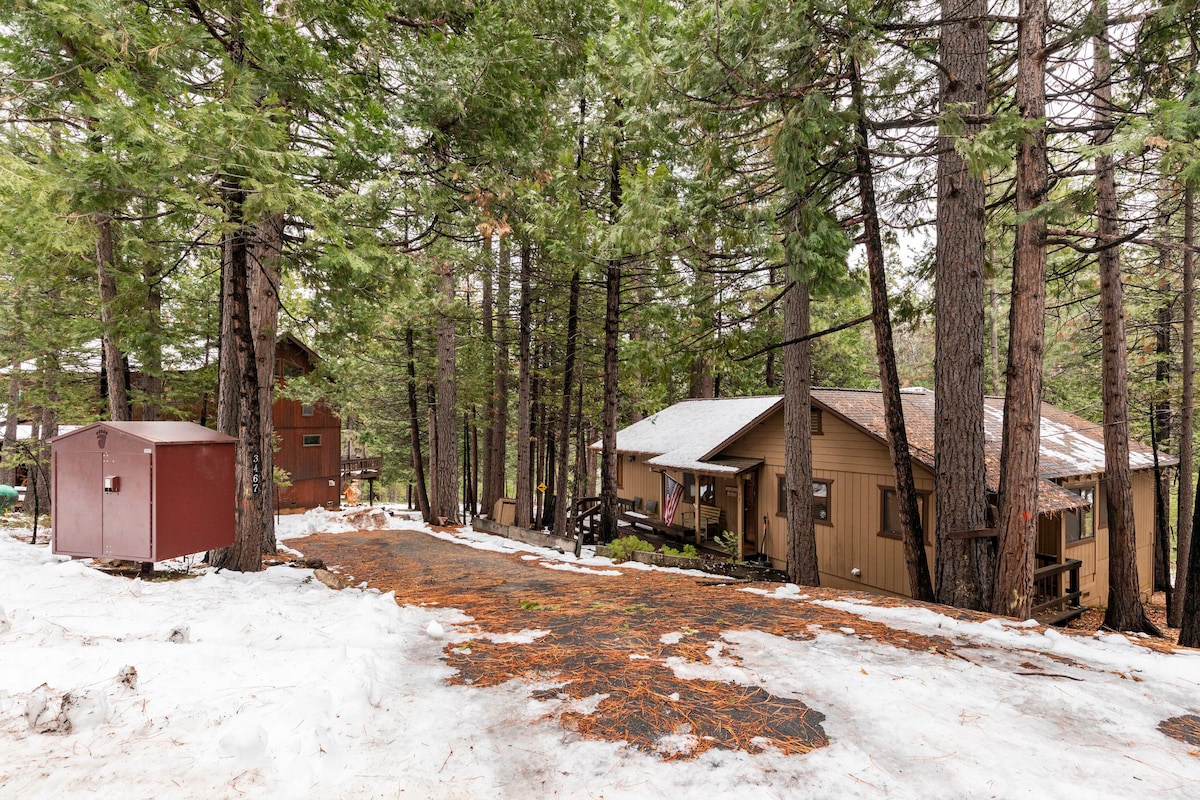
(309, 436)
(728, 454)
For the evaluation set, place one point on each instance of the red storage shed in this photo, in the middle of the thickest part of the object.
(142, 491)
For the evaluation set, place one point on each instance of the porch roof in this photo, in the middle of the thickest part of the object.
(688, 434)
(716, 466)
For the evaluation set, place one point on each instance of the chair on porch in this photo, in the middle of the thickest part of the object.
(651, 508)
(637, 504)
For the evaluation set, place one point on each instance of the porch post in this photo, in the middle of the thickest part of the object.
(741, 517)
(696, 505)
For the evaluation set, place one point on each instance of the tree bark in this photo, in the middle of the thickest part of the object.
(245, 555)
(965, 567)
(414, 429)
(1125, 611)
(498, 455)
(487, 312)
(1019, 456)
(12, 419)
(612, 315)
(802, 565)
(524, 510)
(263, 280)
(114, 366)
(1189, 628)
(445, 470)
(564, 422)
(919, 583)
(1184, 528)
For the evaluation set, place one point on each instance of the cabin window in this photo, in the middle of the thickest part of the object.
(312, 440)
(890, 512)
(307, 410)
(815, 422)
(708, 488)
(1081, 521)
(820, 511)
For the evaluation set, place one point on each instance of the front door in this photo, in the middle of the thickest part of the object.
(750, 509)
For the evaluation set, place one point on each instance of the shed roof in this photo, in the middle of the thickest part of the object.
(158, 432)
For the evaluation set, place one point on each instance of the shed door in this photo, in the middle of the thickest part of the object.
(128, 511)
(78, 520)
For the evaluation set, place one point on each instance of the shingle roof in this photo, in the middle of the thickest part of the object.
(1070, 446)
(690, 434)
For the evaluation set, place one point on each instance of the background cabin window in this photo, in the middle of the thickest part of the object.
(815, 422)
(1081, 521)
(307, 410)
(820, 499)
(890, 525)
(312, 439)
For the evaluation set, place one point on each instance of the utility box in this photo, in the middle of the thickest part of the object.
(142, 491)
(505, 511)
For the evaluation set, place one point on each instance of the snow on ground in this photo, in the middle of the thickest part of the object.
(268, 685)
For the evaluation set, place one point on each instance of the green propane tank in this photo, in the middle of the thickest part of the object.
(8, 497)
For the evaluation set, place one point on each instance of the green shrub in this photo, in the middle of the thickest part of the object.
(728, 542)
(688, 551)
(624, 548)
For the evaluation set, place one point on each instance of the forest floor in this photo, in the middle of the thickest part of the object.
(602, 630)
(1093, 619)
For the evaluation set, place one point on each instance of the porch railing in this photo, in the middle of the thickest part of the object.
(1056, 589)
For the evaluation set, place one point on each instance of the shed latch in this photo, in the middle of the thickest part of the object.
(112, 483)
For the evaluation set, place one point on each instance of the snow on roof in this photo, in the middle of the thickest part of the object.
(688, 435)
(682, 436)
(161, 431)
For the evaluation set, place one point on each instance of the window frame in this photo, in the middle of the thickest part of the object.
(304, 440)
(923, 510)
(1082, 517)
(781, 492)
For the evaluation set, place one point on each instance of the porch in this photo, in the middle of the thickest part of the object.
(1056, 592)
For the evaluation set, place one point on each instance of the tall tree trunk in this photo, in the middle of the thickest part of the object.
(1019, 455)
(414, 429)
(612, 315)
(1125, 611)
(487, 312)
(114, 369)
(1184, 527)
(12, 418)
(265, 252)
(445, 464)
(568, 386)
(498, 455)
(919, 583)
(152, 367)
(245, 555)
(524, 510)
(1189, 627)
(802, 566)
(965, 567)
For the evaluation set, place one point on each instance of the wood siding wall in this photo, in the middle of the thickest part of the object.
(858, 468)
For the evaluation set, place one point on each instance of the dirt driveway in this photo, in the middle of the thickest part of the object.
(616, 634)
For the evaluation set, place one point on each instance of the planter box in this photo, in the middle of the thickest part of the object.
(523, 535)
(728, 569)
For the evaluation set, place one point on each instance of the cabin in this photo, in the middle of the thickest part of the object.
(308, 436)
(701, 467)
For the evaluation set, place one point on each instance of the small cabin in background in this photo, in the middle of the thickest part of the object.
(724, 462)
(309, 435)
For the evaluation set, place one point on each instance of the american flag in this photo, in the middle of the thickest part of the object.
(674, 495)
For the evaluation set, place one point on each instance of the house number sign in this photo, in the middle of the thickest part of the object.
(256, 472)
